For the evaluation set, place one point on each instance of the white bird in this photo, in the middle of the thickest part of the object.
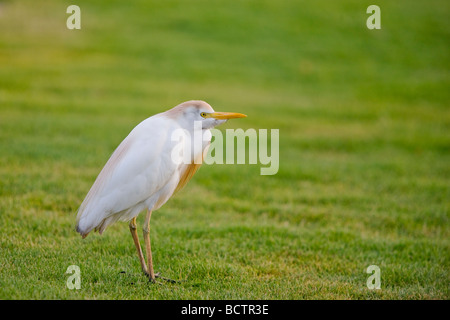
(142, 173)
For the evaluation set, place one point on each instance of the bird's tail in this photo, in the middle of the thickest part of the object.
(81, 227)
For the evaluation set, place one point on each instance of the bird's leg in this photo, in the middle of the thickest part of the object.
(146, 231)
(138, 245)
(150, 272)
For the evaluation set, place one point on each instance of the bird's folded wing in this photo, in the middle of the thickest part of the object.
(140, 166)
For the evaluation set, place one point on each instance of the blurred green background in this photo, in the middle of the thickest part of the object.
(364, 125)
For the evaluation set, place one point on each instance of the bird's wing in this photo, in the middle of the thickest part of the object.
(139, 167)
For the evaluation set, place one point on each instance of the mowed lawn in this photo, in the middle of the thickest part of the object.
(364, 151)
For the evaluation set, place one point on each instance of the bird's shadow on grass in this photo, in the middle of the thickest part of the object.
(133, 278)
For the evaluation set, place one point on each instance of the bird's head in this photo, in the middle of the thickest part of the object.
(188, 112)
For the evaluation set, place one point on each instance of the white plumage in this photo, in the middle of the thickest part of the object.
(141, 174)
(134, 177)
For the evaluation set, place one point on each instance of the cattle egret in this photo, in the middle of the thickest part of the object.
(141, 174)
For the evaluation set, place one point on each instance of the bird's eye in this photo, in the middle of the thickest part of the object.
(203, 114)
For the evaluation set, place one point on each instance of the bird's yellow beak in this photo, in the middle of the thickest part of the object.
(226, 115)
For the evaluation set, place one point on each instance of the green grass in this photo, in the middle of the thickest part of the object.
(364, 126)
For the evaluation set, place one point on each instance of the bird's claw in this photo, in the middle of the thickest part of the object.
(158, 276)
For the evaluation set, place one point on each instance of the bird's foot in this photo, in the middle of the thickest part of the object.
(158, 276)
